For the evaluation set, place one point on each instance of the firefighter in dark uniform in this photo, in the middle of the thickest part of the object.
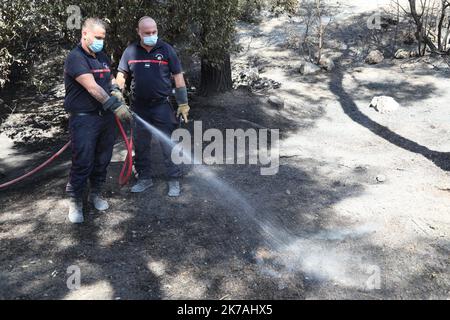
(151, 63)
(92, 99)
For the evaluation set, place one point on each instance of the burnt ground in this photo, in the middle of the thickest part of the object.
(180, 239)
(204, 244)
(323, 227)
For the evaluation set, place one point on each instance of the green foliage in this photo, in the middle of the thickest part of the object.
(250, 9)
(29, 29)
(213, 28)
(6, 60)
(281, 6)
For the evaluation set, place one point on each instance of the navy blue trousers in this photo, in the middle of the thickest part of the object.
(93, 139)
(161, 116)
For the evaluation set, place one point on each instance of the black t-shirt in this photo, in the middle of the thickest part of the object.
(79, 62)
(150, 72)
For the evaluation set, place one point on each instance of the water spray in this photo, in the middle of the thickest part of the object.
(232, 196)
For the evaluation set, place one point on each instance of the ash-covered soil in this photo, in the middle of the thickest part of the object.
(358, 209)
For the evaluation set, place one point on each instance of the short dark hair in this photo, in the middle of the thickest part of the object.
(89, 23)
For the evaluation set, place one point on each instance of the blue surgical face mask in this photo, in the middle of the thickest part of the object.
(150, 40)
(97, 45)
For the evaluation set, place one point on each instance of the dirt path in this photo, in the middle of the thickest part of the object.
(400, 226)
(324, 227)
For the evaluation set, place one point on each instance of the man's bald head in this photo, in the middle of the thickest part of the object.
(147, 28)
(146, 22)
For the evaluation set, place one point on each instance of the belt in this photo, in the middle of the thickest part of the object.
(151, 101)
(100, 113)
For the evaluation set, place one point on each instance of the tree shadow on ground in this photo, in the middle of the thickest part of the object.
(205, 244)
(403, 90)
(346, 100)
(198, 247)
(202, 245)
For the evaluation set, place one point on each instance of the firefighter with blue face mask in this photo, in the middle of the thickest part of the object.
(92, 100)
(150, 64)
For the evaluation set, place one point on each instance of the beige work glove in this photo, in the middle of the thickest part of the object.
(183, 109)
(123, 113)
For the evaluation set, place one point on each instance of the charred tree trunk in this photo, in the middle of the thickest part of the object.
(215, 78)
(421, 35)
(445, 6)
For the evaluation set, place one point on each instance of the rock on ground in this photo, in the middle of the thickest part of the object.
(384, 104)
(375, 57)
(251, 74)
(309, 68)
(245, 76)
(327, 63)
(276, 102)
(402, 54)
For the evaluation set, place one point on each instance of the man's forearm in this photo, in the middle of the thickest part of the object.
(99, 94)
(121, 80)
(113, 83)
(179, 80)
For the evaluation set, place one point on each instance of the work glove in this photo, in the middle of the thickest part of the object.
(116, 92)
(124, 113)
(118, 95)
(183, 109)
(120, 109)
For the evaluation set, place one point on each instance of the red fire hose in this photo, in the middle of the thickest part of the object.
(124, 176)
(127, 168)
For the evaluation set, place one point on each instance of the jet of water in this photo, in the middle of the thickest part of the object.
(313, 256)
(229, 194)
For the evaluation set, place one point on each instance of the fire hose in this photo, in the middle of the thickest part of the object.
(125, 173)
